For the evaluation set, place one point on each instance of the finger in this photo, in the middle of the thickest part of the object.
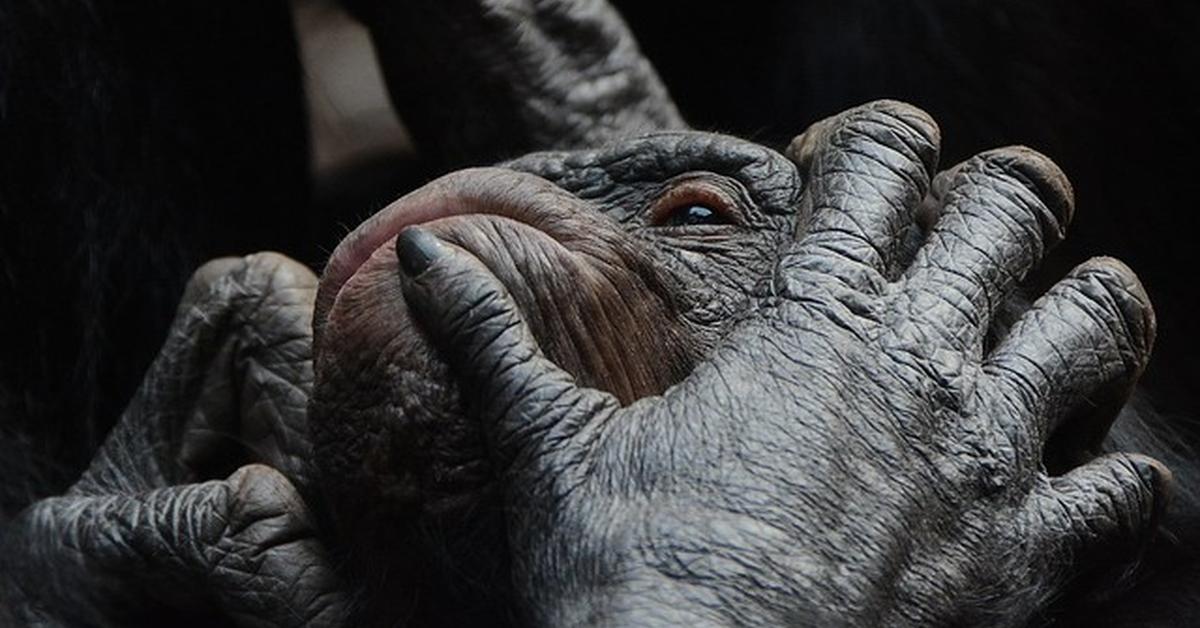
(1072, 359)
(527, 403)
(572, 75)
(268, 567)
(1100, 512)
(254, 396)
(1003, 210)
(234, 375)
(868, 170)
(244, 548)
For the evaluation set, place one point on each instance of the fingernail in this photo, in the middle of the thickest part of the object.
(417, 249)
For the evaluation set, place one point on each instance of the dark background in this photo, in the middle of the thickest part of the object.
(1110, 90)
(138, 139)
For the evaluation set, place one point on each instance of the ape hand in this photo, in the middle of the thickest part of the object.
(555, 74)
(141, 538)
(855, 452)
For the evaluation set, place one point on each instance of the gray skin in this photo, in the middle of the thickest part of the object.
(832, 442)
(842, 447)
(527, 75)
(852, 444)
(619, 296)
(168, 526)
(142, 538)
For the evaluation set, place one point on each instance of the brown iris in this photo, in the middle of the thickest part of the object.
(694, 202)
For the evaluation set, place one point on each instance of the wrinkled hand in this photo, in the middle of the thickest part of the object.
(855, 453)
(142, 538)
(555, 74)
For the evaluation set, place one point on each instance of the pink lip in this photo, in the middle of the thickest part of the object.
(430, 202)
(471, 191)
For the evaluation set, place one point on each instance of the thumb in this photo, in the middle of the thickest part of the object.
(527, 403)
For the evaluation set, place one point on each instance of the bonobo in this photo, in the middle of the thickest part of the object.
(681, 378)
(630, 262)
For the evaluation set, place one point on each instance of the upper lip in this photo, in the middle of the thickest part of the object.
(497, 191)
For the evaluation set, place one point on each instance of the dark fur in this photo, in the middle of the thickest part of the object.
(1106, 89)
(138, 140)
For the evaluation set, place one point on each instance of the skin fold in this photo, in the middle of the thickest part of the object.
(626, 302)
(539, 394)
(851, 442)
(819, 431)
(571, 76)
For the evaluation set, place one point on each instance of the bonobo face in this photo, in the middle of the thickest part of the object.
(628, 262)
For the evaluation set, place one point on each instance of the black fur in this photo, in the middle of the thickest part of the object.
(137, 140)
(1107, 89)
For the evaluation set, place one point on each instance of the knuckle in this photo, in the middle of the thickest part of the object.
(899, 126)
(257, 492)
(269, 271)
(804, 147)
(914, 121)
(207, 282)
(258, 275)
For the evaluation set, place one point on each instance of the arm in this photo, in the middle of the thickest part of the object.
(482, 80)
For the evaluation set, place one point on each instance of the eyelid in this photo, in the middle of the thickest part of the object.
(696, 192)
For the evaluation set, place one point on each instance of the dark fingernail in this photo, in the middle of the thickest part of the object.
(417, 249)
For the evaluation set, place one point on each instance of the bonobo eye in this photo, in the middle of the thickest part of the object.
(693, 215)
(694, 202)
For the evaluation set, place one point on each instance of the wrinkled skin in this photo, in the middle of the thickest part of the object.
(836, 440)
(853, 451)
(571, 75)
(173, 460)
(141, 539)
(582, 495)
(624, 301)
(973, 428)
